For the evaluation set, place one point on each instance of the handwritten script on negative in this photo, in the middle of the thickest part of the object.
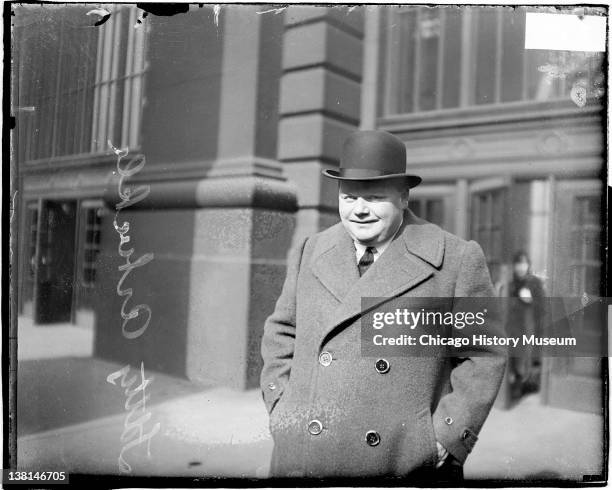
(134, 433)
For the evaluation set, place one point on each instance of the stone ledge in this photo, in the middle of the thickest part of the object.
(344, 17)
(220, 192)
(492, 117)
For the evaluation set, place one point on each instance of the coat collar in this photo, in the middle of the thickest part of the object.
(423, 239)
(411, 258)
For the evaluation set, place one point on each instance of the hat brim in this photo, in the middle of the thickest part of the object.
(411, 180)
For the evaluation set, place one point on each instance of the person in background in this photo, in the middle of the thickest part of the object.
(525, 317)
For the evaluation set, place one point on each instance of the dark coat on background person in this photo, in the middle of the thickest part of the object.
(419, 401)
(535, 309)
(525, 318)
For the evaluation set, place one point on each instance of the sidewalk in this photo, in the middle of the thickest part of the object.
(215, 433)
(70, 418)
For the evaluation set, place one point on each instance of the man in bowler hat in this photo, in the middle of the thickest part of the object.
(334, 412)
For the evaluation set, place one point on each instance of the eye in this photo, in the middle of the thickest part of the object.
(347, 197)
(378, 197)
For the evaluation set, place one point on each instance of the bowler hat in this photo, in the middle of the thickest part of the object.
(373, 155)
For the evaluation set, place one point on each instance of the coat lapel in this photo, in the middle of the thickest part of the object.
(335, 264)
(413, 256)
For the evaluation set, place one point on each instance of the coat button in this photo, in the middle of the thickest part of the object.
(382, 366)
(315, 427)
(448, 420)
(325, 358)
(372, 438)
(271, 386)
(465, 435)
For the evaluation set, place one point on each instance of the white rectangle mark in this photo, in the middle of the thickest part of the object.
(564, 32)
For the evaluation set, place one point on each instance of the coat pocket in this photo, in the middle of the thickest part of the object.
(278, 415)
(418, 451)
(273, 415)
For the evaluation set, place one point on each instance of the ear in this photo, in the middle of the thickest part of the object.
(405, 194)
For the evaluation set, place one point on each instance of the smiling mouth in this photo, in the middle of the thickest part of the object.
(363, 222)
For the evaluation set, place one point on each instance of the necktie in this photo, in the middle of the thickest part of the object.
(366, 260)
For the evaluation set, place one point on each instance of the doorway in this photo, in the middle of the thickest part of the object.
(577, 383)
(55, 262)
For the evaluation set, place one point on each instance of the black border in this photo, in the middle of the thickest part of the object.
(8, 304)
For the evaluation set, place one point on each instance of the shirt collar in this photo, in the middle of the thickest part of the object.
(380, 248)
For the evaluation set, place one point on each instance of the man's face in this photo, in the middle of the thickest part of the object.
(371, 211)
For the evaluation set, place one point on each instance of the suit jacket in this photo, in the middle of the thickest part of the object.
(419, 401)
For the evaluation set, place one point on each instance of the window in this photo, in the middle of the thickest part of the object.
(119, 79)
(450, 57)
(54, 68)
(427, 60)
(28, 257)
(487, 226)
(76, 85)
(585, 236)
(93, 220)
(429, 209)
(32, 239)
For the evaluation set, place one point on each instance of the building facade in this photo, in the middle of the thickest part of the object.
(236, 110)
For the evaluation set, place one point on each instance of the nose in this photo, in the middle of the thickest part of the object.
(361, 206)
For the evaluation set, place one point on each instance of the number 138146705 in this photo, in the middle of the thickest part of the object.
(16, 476)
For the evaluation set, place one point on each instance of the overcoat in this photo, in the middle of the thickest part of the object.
(324, 397)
